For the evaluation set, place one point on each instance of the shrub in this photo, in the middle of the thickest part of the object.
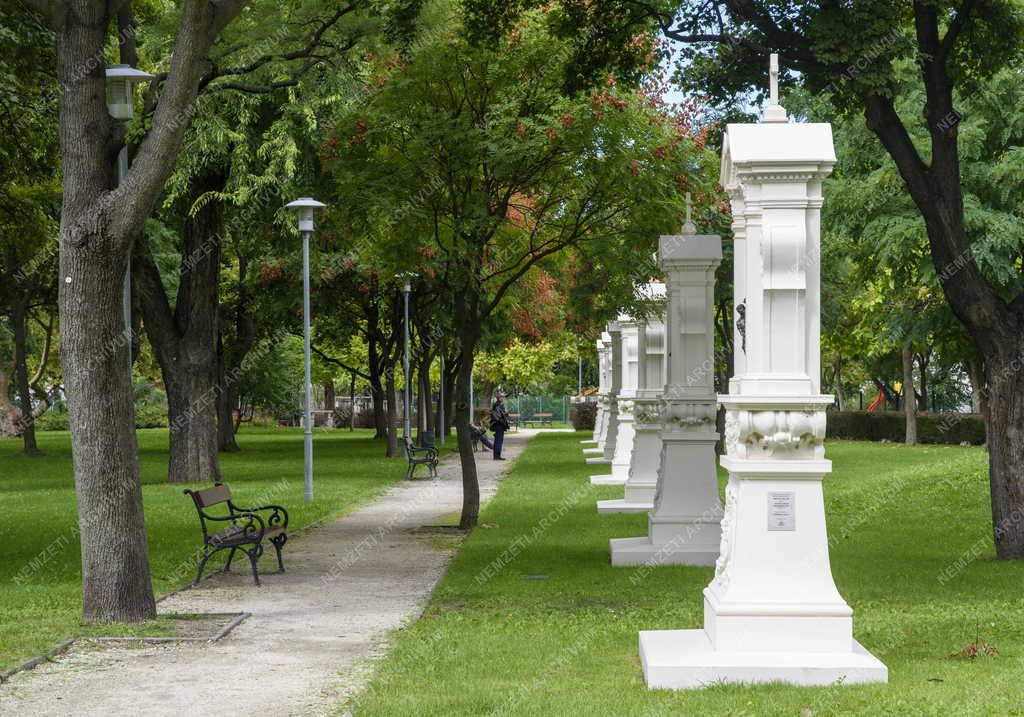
(52, 420)
(952, 428)
(583, 416)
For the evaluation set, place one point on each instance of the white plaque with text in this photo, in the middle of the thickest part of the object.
(782, 510)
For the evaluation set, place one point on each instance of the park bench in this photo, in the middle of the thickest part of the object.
(420, 456)
(513, 421)
(543, 419)
(246, 532)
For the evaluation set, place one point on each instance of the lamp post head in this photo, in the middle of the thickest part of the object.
(121, 80)
(305, 206)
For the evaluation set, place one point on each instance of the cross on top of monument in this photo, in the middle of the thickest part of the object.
(688, 226)
(774, 112)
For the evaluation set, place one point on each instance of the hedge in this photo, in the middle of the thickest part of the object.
(953, 428)
(583, 416)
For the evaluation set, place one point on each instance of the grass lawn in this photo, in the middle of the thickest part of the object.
(899, 518)
(40, 573)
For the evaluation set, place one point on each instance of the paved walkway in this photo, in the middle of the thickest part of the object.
(314, 630)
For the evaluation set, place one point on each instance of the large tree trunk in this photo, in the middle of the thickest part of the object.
(98, 224)
(1005, 439)
(909, 397)
(185, 341)
(19, 324)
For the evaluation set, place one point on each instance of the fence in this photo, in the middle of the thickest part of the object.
(534, 409)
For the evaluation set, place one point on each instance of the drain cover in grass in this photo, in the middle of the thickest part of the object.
(536, 576)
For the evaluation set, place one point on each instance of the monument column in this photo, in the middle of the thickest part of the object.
(772, 611)
(602, 390)
(683, 527)
(642, 480)
(611, 423)
(627, 393)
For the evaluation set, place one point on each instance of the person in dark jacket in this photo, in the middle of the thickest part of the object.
(499, 424)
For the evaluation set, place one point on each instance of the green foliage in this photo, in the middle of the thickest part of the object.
(271, 376)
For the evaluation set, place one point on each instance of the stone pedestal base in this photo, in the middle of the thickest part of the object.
(608, 507)
(599, 461)
(607, 480)
(685, 659)
(683, 541)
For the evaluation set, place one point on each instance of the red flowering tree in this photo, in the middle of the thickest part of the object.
(475, 167)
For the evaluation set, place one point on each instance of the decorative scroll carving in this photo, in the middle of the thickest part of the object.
(721, 579)
(779, 434)
(688, 414)
(647, 412)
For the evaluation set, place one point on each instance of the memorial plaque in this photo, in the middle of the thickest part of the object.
(782, 510)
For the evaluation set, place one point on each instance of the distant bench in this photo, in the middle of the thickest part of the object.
(543, 419)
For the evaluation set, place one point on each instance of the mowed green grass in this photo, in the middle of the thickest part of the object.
(40, 567)
(899, 518)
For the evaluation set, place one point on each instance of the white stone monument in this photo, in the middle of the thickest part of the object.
(642, 479)
(627, 392)
(610, 427)
(683, 528)
(772, 611)
(602, 390)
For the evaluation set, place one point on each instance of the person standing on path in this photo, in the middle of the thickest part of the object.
(499, 423)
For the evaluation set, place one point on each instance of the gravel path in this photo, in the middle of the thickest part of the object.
(314, 630)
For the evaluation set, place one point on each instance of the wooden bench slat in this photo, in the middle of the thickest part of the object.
(212, 496)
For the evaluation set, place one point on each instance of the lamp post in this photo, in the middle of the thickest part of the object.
(306, 206)
(407, 394)
(121, 81)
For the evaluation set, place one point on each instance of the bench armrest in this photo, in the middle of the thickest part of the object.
(429, 450)
(254, 525)
(278, 515)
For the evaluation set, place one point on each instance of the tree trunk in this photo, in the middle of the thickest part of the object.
(909, 398)
(377, 394)
(392, 412)
(21, 382)
(1005, 440)
(463, 418)
(231, 356)
(976, 372)
(352, 402)
(185, 340)
(467, 322)
(227, 402)
(425, 402)
(330, 402)
(837, 380)
(923, 360)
